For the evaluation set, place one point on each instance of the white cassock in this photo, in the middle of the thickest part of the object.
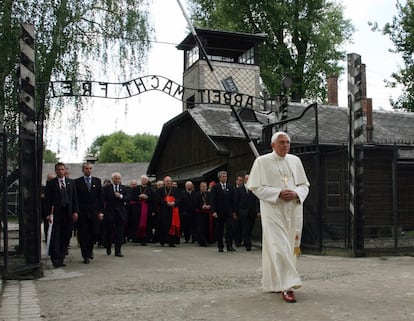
(282, 221)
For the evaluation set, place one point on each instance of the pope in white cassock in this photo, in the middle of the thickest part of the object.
(279, 180)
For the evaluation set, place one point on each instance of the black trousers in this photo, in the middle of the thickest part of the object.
(114, 233)
(203, 224)
(133, 221)
(153, 231)
(188, 226)
(246, 229)
(87, 233)
(45, 227)
(220, 224)
(58, 242)
(238, 231)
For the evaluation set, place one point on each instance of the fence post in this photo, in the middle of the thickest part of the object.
(28, 187)
(356, 152)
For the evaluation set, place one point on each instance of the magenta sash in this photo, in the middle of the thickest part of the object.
(142, 226)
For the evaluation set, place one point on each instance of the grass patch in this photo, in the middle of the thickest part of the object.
(409, 233)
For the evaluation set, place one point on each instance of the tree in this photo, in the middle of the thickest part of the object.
(401, 33)
(303, 38)
(73, 37)
(49, 156)
(96, 146)
(118, 148)
(145, 144)
(122, 148)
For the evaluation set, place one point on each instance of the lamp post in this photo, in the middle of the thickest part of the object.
(283, 101)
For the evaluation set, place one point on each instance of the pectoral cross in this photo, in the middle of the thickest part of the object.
(285, 179)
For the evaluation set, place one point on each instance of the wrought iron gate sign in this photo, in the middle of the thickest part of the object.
(69, 88)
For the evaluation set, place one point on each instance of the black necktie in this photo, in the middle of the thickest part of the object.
(88, 183)
(63, 192)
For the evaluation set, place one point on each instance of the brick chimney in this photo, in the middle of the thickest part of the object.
(367, 110)
(366, 105)
(333, 90)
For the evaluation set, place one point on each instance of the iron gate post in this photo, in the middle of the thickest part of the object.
(28, 182)
(356, 153)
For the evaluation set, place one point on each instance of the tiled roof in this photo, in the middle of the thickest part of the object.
(393, 127)
(218, 121)
(389, 126)
(129, 171)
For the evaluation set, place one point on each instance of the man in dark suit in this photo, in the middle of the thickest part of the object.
(189, 204)
(247, 209)
(238, 238)
(42, 205)
(115, 215)
(61, 208)
(90, 210)
(222, 208)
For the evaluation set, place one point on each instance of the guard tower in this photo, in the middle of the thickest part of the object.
(235, 59)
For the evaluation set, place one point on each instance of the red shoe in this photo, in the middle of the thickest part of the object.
(289, 296)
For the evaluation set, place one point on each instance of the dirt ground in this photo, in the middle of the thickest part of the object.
(194, 283)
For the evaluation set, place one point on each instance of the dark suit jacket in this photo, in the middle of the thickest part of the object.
(246, 203)
(222, 202)
(203, 199)
(90, 202)
(189, 203)
(53, 198)
(115, 207)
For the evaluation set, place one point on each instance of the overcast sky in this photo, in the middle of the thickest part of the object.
(148, 112)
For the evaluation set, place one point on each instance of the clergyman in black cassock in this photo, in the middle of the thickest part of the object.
(145, 211)
(203, 213)
(132, 211)
(168, 201)
(188, 206)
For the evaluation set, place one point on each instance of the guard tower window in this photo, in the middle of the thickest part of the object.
(247, 57)
(223, 46)
(190, 102)
(220, 58)
(192, 56)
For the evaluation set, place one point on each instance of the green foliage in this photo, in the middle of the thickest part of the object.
(49, 156)
(96, 146)
(73, 37)
(9, 33)
(145, 144)
(401, 33)
(303, 38)
(119, 147)
(122, 148)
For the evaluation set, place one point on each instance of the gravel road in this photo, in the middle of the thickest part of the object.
(199, 284)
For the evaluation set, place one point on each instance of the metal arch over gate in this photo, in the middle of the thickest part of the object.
(137, 86)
